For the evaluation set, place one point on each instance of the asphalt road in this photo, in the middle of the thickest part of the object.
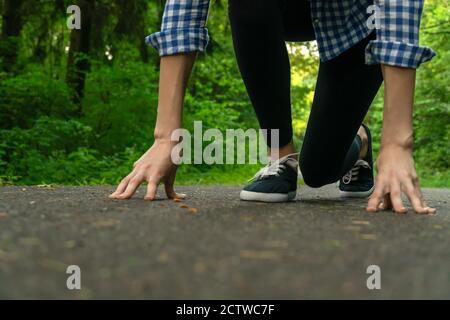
(213, 246)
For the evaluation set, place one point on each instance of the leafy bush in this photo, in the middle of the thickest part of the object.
(26, 153)
(216, 96)
(120, 105)
(28, 96)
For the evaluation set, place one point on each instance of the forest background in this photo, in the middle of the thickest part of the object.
(78, 107)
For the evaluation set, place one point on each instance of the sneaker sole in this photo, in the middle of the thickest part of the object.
(356, 194)
(267, 197)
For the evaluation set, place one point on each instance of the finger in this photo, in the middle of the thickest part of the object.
(376, 198)
(374, 204)
(122, 185)
(414, 198)
(132, 186)
(395, 196)
(170, 192)
(430, 210)
(386, 204)
(152, 187)
(169, 188)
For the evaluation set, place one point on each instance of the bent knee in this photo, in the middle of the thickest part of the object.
(313, 181)
(317, 178)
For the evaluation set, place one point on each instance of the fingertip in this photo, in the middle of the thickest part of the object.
(373, 204)
(422, 211)
(151, 192)
(371, 209)
(171, 195)
(402, 210)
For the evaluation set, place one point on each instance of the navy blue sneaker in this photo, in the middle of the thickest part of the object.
(359, 181)
(277, 182)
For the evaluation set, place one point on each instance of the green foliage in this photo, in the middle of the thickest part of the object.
(28, 153)
(43, 140)
(28, 96)
(432, 116)
(8, 48)
(216, 96)
(120, 105)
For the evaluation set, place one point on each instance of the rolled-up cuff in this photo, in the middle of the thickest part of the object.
(175, 41)
(398, 54)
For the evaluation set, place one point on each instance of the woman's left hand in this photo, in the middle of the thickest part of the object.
(397, 175)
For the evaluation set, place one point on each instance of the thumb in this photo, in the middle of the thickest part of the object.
(169, 188)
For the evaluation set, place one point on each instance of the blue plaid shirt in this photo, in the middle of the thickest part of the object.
(338, 25)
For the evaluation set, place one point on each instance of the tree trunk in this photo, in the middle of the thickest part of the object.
(11, 27)
(78, 60)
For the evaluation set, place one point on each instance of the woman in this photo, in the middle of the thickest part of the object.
(355, 59)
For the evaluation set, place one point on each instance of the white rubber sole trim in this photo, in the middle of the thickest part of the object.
(348, 194)
(267, 197)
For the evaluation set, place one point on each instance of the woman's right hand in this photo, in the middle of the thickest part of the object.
(155, 166)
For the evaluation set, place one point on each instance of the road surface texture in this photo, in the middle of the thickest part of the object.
(213, 246)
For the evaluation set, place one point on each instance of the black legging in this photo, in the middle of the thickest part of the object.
(345, 88)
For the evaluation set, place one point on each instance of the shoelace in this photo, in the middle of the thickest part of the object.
(353, 174)
(273, 169)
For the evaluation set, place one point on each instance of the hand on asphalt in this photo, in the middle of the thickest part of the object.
(397, 175)
(154, 167)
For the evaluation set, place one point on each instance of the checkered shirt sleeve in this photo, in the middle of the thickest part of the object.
(397, 42)
(183, 28)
